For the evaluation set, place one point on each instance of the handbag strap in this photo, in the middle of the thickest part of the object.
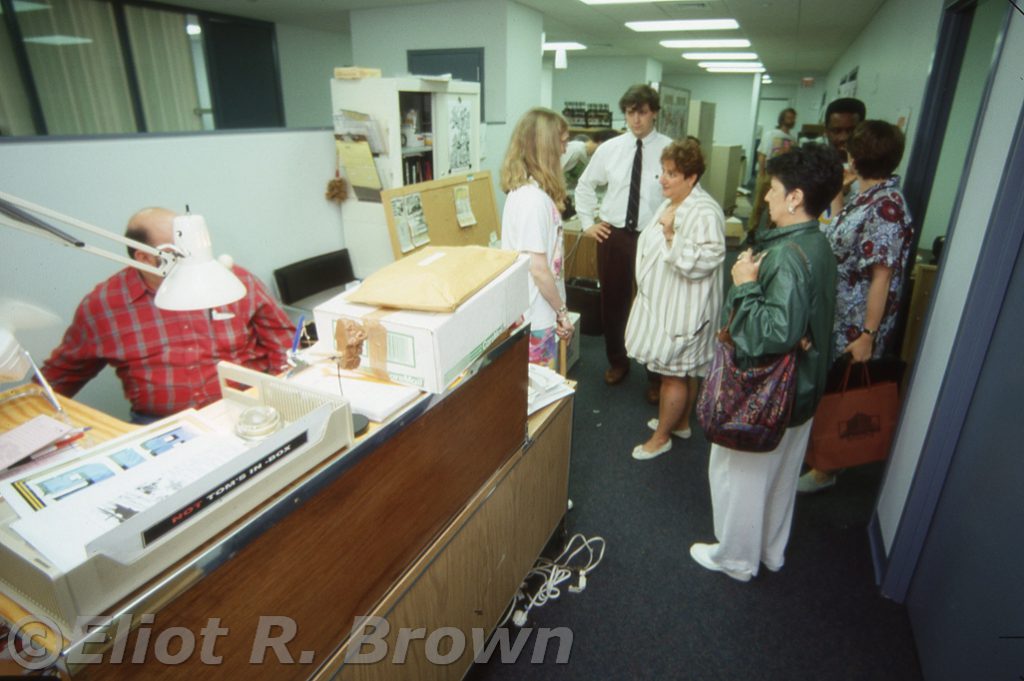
(865, 374)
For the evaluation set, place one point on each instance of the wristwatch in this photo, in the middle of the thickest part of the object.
(870, 332)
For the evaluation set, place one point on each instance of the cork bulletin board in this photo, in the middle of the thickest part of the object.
(430, 213)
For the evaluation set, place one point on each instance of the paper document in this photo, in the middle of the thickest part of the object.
(464, 207)
(545, 387)
(374, 399)
(358, 163)
(29, 437)
(61, 531)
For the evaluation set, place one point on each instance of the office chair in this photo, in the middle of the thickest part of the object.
(305, 284)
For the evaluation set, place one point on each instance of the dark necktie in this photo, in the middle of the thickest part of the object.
(633, 204)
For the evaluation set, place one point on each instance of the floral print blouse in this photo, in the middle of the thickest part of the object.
(873, 228)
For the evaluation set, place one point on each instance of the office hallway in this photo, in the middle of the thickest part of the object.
(650, 612)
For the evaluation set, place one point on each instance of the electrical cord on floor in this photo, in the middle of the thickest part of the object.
(579, 557)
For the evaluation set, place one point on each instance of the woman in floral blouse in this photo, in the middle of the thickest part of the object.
(871, 238)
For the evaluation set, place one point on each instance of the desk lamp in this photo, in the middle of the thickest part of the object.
(15, 360)
(193, 279)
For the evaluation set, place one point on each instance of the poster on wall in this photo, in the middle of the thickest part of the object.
(675, 108)
(848, 84)
(459, 122)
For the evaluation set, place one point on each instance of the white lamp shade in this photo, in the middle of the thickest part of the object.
(14, 363)
(196, 281)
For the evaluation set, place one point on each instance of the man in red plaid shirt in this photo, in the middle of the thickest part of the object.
(166, 360)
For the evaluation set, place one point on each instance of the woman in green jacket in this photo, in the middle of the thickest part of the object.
(783, 295)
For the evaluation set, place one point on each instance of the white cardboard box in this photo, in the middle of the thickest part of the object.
(429, 350)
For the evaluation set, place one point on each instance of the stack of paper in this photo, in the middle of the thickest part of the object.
(546, 386)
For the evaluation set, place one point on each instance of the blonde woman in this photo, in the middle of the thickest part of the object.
(531, 223)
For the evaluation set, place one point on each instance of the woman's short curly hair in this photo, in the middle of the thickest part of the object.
(815, 169)
(686, 155)
(876, 148)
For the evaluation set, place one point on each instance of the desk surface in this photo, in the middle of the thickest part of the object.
(26, 402)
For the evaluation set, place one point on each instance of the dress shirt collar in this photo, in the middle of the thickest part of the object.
(650, 137)
(135, 285)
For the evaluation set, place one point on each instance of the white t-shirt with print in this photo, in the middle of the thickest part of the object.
(531, 223)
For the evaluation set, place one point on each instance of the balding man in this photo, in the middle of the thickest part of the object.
(166, 360)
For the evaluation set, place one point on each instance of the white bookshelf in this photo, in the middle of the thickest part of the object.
(366, 232)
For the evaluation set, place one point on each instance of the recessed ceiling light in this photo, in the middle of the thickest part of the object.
(705, 43)
(684, 25)
(728, 64)
(58, 40)
(564, 46)
(720, 55)
(742, 69)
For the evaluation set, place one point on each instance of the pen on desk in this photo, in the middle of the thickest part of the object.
(68, 438)
(298, 333)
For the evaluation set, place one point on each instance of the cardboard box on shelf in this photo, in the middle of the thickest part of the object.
(429, 350)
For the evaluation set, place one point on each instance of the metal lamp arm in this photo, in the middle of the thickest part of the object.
(14, 213)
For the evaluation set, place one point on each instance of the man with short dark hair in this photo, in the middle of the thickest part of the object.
(841, 118)
(628, 166)
(166, 360)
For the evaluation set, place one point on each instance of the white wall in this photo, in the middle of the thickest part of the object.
(731, 95)
(893, 55)
(262, 195)
(307, 58)
(600, 80)
(381, 37)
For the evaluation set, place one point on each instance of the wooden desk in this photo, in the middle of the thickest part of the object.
(26, 402)
(433, 525)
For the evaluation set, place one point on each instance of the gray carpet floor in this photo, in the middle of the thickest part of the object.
(650, 612)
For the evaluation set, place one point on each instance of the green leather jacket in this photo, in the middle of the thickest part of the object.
(794, 296)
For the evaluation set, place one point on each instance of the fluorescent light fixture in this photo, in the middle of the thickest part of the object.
(636, 2)
(729, 64)
(548, 47)
(742, 69)
(720, 55)
(684, 25)
(193, 29)
(27, 6)
(706, 43)
(58, 40)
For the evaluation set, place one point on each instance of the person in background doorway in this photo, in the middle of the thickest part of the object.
(841, 117)
(674, 318)
(628, 166)
(781, 298)
(871, 239)
(778, 141)
(166, 360)
(531, 175)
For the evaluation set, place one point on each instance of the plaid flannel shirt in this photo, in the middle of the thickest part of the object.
(167, 360)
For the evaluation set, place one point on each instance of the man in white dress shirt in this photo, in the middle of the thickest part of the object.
(632, 196)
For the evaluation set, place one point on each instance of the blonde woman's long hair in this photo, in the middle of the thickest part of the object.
(535, 150)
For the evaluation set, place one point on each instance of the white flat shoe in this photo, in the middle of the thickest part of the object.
(641, 454)
(684, 434)
(701, 553)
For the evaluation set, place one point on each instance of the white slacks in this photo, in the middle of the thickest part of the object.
(752, 497)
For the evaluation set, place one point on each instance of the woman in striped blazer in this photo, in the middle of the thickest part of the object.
(673, 320)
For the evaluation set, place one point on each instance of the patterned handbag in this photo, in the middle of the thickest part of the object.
(746, 409)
